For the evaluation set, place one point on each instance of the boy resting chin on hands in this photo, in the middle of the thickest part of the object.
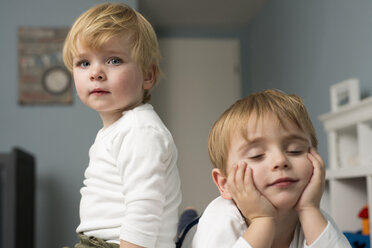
(270, 177)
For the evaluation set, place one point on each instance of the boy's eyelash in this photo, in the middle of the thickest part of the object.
(292, 152)
(295, 152)
(256, 156)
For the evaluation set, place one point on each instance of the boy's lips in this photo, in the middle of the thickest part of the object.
(283, 182)
(98, 91)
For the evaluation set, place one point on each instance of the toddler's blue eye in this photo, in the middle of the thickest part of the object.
(83, 63)
(115, 61)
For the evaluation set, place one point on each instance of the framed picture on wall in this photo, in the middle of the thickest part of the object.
(42, 76)
(344, 94)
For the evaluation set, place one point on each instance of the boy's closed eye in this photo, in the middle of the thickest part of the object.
(255, 153)
(296, 149)
(257, 157)
(295, 152)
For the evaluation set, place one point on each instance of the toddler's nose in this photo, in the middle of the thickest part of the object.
(97, 73)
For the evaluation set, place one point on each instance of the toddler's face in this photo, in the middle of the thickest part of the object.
(109, 80)
(277, 155)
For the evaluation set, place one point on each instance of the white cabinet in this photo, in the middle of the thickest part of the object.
(349, 175)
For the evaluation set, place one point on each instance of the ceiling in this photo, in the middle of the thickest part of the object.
(200, 13)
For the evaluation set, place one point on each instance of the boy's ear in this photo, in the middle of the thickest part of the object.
(149, 78)
(221, 182)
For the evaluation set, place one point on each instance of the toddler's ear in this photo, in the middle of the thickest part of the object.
(221, 182)
(149, 78)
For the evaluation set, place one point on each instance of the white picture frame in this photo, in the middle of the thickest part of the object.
(344, 94)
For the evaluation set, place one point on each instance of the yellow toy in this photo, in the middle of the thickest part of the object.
(363, 214)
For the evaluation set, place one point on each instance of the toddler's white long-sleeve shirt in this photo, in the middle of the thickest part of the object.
(132, 188)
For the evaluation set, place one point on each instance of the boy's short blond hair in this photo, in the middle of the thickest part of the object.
(235, 119)
(105, 21)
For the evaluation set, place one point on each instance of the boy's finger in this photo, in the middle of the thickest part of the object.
(248, 179)
(316, 160)
(314, 152)
(319, 169)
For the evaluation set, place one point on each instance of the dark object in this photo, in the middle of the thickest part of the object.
(17, 199)
(358, 240)
(188, 219)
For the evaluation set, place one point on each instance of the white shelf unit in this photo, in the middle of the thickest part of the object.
(349, 175)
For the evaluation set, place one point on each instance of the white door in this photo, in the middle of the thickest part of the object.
(201, 79)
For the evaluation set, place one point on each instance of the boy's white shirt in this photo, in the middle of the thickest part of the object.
(222, 226)
(132, 188)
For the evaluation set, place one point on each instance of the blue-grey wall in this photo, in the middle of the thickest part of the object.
(303, 47)
(59, 136)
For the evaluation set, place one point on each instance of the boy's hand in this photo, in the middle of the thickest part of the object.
(312, 194)
(308, 206)
(251, 203)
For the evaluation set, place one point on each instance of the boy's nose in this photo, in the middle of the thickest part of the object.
(280, 161)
